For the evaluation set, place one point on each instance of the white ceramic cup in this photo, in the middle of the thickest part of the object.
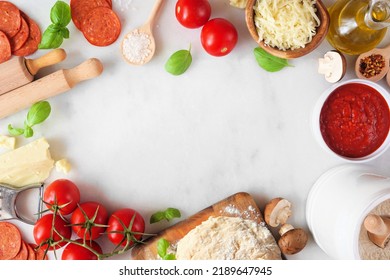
(315, 122)
(337, 205)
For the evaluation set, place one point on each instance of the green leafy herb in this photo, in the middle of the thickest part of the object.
(38, 113)
(168, 214)
(162, 248)
(268, 61)
(56, 32)
(179, 62)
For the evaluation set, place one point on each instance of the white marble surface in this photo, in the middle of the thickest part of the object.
(139, 137)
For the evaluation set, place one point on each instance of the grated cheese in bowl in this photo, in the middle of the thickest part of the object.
(286, 24)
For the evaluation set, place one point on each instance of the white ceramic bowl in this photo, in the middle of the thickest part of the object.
(338, 203)
(316, 121)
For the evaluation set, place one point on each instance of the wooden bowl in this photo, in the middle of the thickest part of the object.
(322, 30)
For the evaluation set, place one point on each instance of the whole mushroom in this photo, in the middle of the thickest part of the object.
(277, 211)
(292, 240)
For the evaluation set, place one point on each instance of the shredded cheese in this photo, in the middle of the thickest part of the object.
(286, 24)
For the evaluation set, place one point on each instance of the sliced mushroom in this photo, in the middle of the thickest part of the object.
(277, 211)
(333, 65)
(292, 240)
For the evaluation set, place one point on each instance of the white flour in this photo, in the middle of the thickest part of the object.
(367, 249)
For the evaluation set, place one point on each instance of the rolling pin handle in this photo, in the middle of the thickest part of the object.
(89, 69)
(51, 58)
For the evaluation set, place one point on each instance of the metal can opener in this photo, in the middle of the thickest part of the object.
(8, 206)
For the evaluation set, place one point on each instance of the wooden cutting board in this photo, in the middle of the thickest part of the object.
(238, 205)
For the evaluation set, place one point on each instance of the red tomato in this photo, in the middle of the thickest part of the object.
(86, 218)
(219, 37)
(74, 251)
(193, 13)
(45, 236)
(125, 216)
(62, 193)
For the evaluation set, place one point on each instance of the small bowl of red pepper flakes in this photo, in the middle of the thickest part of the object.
(352, 120)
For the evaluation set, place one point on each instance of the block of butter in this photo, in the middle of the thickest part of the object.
(29, 164)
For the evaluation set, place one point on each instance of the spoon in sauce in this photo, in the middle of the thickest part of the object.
(373, 65)
(138, 46)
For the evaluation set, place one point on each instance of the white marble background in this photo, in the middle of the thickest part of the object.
(139, 137)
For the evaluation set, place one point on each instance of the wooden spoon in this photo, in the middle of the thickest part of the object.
(378, 229)
(138, 46)
(385, 52)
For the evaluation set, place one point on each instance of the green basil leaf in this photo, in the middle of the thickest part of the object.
(268, 61)
(169, 257)
(38, 112)
(168, 214)
(52, 38)
(28, 132)
(65, 32)
(179, 62)
(156, 217)
(172, 213)
(60, 14)
(162, 247)
(15, 131)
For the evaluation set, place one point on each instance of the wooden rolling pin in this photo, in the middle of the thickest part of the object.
(378, 229)
(19, 71)
(48, 86)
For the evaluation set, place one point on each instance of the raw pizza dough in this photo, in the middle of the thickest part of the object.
(228, 238)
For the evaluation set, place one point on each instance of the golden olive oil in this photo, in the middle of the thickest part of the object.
(348, 31)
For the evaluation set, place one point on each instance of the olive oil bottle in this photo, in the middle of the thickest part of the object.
(357, 26)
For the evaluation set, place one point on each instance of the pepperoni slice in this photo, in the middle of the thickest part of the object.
(39, 252)
(23, 252)
(80, 9)
(10, 241)
(101, 27)
(34, 38)
(10, 19)
(31, 252)
(5, 47)
(21, 37)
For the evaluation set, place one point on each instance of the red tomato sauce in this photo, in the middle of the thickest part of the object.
(354, 120)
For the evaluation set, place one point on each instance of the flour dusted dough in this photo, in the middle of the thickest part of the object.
(228, 238)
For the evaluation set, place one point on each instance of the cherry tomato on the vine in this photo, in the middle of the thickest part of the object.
(62, 193)
(125, 235)
(89, 220)
(219, 37)
(73, 251)
(193, 13)
(45, 236)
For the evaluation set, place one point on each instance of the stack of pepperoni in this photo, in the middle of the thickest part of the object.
(96, 20)
(13, 247)
(19, 34)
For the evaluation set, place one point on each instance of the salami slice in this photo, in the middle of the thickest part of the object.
(39, 252)
(5, 47)
(10, 241)
(80, 9)
(101, 27)
(21, 37)
(34, 38)
(10, 19)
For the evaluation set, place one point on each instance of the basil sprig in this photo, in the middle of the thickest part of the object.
(57, 31)
(38, 113)
(168, 214)
(162, 248)
(268, 61)
(179, 62)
